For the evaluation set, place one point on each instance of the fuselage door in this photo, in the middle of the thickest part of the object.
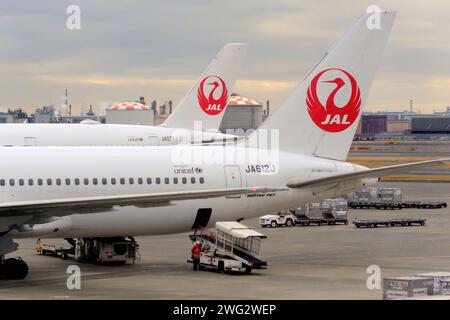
(233, 178)
(153, 140)
(30, 141)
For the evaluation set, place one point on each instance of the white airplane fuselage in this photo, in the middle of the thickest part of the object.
(96, 134)
(107, 163)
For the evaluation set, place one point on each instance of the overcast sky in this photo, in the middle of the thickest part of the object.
(157, 49)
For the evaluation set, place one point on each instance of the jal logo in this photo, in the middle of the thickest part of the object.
(212, 95)
(339, 103)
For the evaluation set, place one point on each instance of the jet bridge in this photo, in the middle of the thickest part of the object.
(230, 246)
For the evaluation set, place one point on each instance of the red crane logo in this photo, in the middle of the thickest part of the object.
(212, 95)
(330, 117)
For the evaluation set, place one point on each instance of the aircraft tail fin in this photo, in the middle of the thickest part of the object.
(321, 115)
(207, 99)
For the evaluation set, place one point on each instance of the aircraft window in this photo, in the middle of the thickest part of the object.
(149, 180)
(104, 181)
(12, 182)
(158, 180)
(58, 181)
(95, 181)
(77, 181)
(40, 182)
(2, 182)
(201, 180)
(166, 180)
(131, 180)
(122, 180)
(184, 180)
(49, 182)
(140, 181)
(67, 182)
(113, 180)
(192, 180)
(86, 181)
(175, 180)
(30, 182)
(21, 182)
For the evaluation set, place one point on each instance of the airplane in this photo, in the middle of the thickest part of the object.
(195, 119)
(129, 191)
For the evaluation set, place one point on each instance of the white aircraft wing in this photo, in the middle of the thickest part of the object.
(104, 203)
(369, 173)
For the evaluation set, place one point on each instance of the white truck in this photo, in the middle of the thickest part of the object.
(106, 250)
(93, 250)
(282, 218)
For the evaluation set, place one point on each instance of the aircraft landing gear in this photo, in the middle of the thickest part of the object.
(13, 268)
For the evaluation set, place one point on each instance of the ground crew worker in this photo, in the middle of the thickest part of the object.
(196, 250)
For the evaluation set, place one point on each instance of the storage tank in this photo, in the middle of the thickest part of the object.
(129, 113)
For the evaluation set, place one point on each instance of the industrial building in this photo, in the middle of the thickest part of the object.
(242, 113)
(431, 124)
(373, 124)
(13, 116)
(129, 113)
(398, 126)
(46, 114)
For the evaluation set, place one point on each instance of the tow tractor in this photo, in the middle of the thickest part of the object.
(93, 250)
(50, 249)
(229, 247)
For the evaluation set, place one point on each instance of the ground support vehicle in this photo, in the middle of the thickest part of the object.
(94, 250)
(424, 205)
(230, 247)
(401, 222)
(282, 218)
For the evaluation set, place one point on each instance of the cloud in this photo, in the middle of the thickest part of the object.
(157, 48)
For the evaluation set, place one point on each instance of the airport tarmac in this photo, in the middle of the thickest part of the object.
(327, 262)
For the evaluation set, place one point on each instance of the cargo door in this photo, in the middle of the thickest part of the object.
(202, 218)
(233, 178)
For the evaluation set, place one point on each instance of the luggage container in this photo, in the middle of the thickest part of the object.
(389, 198)
(445, 286)
(364, 198)
(404, 287)
(310, 213)
(437, 278)
(334, 210)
